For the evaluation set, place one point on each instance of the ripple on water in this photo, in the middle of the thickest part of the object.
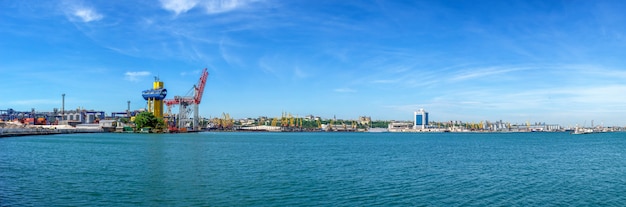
(313, 169)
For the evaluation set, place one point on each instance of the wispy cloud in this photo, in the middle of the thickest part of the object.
(87, 14)
(33, 102)
(78, 11)
(268, 64)
(344, 90)
(479, 73)
(566, 94)
(134, 76)
(299, 73)
(178, 6)
(385, 81)
(220, 6)
(195, 72)
(211, 6)
(231, 59)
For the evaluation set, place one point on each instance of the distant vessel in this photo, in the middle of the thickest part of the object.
(580, 130)
(377, 130)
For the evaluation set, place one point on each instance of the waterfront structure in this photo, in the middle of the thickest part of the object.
(365, 120)
(399, 126)
(81, 116)
(155, 98)
(420, 119)
(194, 99)
(29, 117)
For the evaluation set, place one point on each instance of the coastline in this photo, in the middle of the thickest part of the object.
(31, 131)
(37, 133)
(59, 129)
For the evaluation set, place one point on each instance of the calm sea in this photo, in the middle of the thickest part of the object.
(314, 169)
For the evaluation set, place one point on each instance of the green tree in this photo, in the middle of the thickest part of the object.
(309, 124)
(147, 119)
(380, 124)
(124, 120)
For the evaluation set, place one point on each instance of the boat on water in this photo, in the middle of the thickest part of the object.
(580, 130)
(377, 130)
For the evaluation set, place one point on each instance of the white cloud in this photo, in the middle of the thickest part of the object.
(134, 76)
(211, 6)
(178, 6)
(219, 6)
(345, 90)
(87, 14)
(78, 11)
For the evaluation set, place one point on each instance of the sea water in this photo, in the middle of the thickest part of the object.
(314, 169)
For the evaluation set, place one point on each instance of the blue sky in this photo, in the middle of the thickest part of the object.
(558, 62)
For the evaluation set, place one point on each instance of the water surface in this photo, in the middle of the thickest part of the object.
(314, 169)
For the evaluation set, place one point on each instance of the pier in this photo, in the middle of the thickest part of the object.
(13, 130)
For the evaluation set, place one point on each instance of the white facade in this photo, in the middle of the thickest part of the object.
(420, 119)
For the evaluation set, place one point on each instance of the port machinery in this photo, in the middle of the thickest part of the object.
(193, 98)
(155, 97)
(29, 117)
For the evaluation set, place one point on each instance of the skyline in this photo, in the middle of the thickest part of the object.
(517, 61)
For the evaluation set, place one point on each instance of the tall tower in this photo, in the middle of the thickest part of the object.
(155, 98)
(63, 108)
(420, 119)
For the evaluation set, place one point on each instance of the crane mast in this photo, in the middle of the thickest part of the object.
(184, 101)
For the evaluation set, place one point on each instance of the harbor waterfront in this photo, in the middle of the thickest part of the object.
(314, 169)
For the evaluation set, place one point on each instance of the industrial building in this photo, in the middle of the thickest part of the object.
(79, 116)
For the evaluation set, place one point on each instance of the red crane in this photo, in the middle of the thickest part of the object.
(198, 91)
(184, 101)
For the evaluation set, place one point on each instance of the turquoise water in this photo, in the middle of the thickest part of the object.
(314, 169)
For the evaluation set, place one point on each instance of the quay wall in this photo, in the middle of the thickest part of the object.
(11, 132)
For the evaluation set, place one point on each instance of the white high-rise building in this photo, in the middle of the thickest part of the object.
(420, 119)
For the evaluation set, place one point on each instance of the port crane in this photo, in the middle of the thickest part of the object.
(191, 99)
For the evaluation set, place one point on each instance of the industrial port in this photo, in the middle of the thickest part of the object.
(187, 119)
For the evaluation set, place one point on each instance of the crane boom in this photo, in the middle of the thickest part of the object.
(200, 88)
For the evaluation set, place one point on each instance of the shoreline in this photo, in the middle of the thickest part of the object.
(20, 132)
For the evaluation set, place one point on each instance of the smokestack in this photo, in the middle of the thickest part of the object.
(128, 110)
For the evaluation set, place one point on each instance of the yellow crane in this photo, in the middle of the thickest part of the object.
(283, 120)
(226, 121)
